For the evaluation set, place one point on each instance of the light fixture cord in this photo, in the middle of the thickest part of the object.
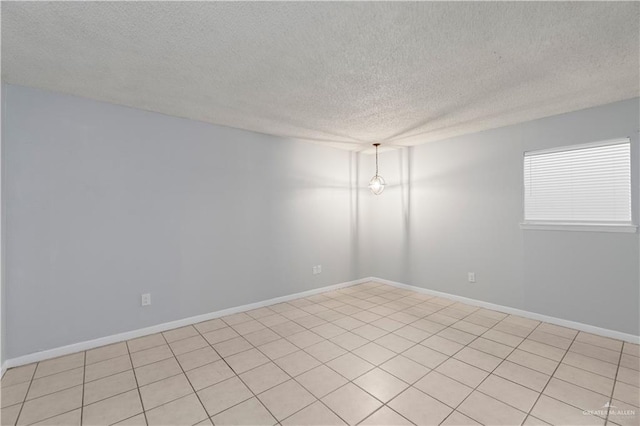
(376, 160)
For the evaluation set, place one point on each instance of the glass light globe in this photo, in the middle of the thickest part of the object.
(376, 185)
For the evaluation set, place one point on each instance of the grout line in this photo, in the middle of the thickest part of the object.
(615, 380)
(549, 381)
(144, 412)
(26, 393)
(84, 372)
(185, 376)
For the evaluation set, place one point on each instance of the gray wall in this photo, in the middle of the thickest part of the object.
(106, 202)
(455, 206)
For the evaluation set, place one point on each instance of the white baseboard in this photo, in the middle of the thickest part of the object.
(115, 338)
(508, 310)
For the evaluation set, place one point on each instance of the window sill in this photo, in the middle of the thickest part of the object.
(580, 227)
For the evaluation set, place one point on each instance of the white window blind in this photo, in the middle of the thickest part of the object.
(588, 183)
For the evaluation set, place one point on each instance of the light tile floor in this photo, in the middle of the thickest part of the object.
(368, 354)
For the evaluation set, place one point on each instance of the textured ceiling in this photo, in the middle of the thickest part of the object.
(345, 74)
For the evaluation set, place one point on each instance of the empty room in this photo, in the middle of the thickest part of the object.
(320, 213)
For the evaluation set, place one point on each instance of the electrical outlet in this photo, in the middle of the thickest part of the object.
(316, 269)
(145, 299)
(471, 276)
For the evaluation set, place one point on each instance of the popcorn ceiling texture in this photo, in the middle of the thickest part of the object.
(345, 74)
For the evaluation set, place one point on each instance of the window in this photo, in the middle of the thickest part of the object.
(579, 187)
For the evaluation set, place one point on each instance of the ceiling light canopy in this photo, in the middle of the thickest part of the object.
(377, 183)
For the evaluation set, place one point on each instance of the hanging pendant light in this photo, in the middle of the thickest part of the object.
(377, 183)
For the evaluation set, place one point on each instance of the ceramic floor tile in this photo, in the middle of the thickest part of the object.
(419, 408)
(585, 379)
(603, 342)
(189, 344)
(288, 328)
(107, 368)
(627, 393)
(558, 413)
(197, 358)
(369, 332)
(209, 374)
(232, 346)
(502, 337)
(304, 339)
(443, 388)
(211, 325)
(220, 335)
(525, 376)
(577, 396)
(146, 342)
(16, 394)
(286, 399)
(112, 410)
(9, 415)
(249, 412)
(106, 352)
(490, 411)
(236, 318)
(180, 333)
(165, 390)
(157, 371)
(58, 365)
(405, 369)
(509, 392)
(440, 344)
(464, 373)
(351, 403)
(350, 366)
(478, 359)
(381, 384)
(264, 377)
(394, 343)
(316, 414)
(148, 356)
(183, 411)
(533, 361)
(385, 416)
(66, 419)
(248, 327)
(458, 419)
(223, 395)
(349, 341)
(14, 376)
(297, 363)
(425, 356)
(414, 334)
(542, 349)
(245, 361)
(321, 380)
(628, 376)
(458, 336)
(490, 347)
(374, 353)
(261, 337)
(50, 405)
(278, 348)
(624, 414)
(325, 351)
(593, 351)
(109, 386)
(328, 330)
(550, 339)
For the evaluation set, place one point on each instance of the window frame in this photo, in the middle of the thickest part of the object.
(581, 226)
